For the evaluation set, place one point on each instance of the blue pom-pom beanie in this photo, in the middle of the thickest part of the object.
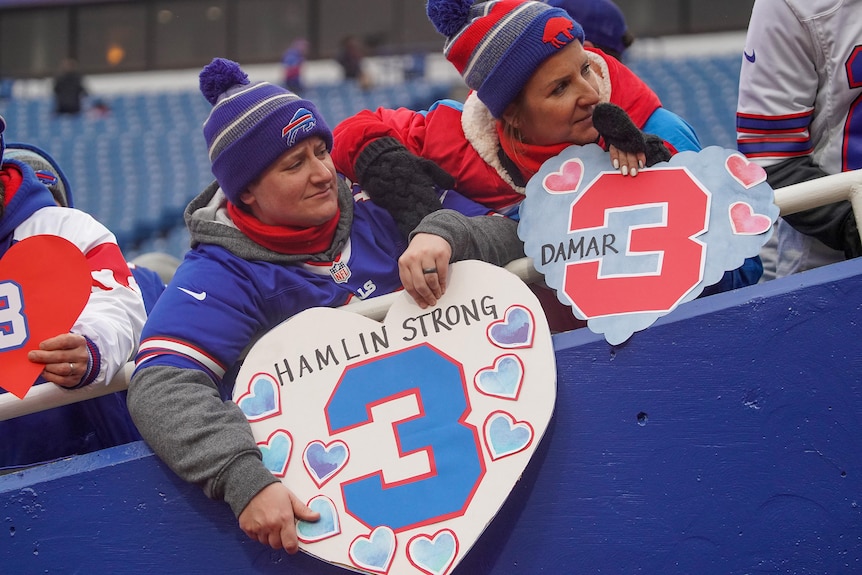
(251, 125)
(497, 45)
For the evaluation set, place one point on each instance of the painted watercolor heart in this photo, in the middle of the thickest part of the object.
(261, 399)
(323, 461)
(745, 172)
(567, 180)
(276, 452)
(744, 221)
(515, 330)
(413, 431)
(33, 307)
(375, 552)
(433, 555)
(325, 527)
(503, 379)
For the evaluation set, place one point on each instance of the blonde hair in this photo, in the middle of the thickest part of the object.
(513, 134)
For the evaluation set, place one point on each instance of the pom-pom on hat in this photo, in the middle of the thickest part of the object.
(497, 45)
(603, 22)
(252, 125)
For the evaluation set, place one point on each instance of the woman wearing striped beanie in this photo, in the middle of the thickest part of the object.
(535, 91)
(493, 143)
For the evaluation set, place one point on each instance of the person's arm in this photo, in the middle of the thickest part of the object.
(777, 91)
(778, 85)
(114, 316)
(403, 184)
(352, 135)
(447, 236)
(209, 442)
(674, 130)
(493, 238)
(195, 334)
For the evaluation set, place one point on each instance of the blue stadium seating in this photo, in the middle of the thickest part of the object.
(703, 90)
(137, 168)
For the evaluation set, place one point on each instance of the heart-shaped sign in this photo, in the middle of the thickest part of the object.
(623, 251)
(414, 430)
(45, 283)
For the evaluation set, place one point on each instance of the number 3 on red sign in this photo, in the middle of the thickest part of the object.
(680, 269)
(13, 323)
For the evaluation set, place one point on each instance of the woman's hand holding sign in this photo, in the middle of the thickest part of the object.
(65, 359)
(424, 268)
(270, 517)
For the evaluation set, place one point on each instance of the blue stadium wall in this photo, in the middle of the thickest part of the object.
(723, 440)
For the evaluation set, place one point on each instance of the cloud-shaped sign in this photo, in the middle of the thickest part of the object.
(623, 251)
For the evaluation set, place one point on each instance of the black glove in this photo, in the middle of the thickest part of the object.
(402, 183)
(618, 130)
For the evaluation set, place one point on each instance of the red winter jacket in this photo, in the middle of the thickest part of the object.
(462, 139)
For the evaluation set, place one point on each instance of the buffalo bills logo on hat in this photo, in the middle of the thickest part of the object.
(46, 178)
(302, 121)
(558, 32)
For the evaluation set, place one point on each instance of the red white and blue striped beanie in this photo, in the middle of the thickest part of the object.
(252, 125)
(497, 45)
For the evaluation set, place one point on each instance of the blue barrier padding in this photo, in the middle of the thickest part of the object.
(722, 440)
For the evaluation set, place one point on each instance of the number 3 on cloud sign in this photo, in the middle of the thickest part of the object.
(623, 251)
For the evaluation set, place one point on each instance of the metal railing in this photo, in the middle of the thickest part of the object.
(790, 199)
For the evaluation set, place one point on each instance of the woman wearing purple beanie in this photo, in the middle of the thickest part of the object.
(278, 232)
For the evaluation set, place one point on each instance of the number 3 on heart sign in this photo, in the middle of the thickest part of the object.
(408, 435)
(438, 385)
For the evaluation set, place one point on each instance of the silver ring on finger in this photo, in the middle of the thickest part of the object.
(427, 271)
(71, 368)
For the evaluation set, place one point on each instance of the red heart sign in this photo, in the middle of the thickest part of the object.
(44, 285)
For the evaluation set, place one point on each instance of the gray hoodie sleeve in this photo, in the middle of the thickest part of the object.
(203, 439)
(493, 239)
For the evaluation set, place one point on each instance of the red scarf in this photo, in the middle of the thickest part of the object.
(12, 179)
(285, 239)
(528, 157)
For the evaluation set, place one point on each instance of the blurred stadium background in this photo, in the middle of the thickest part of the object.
(136, 168)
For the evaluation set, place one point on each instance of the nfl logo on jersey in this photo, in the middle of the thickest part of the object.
(340, 272)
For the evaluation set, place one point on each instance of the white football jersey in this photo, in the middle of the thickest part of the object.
(800, 89)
